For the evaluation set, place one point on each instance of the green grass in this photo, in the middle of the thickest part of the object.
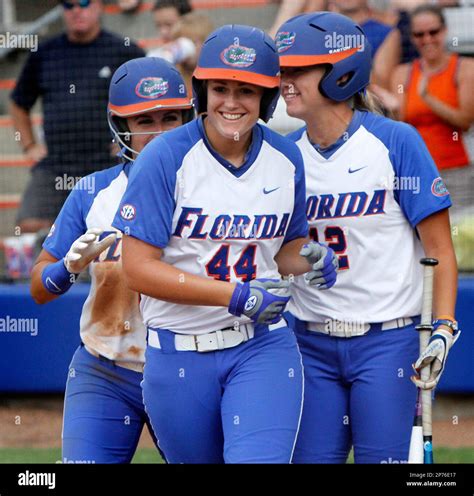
(53, 455)
(149, 455)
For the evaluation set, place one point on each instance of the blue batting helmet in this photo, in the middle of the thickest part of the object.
(239, 53)
(143, 85)
(327, 38)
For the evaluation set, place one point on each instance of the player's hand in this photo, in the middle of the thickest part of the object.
(434, 356)
(86, 248)
(324, 265)
(258, 299)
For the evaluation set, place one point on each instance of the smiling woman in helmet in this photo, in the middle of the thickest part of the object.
(213, 213)
(374, 194)
(103, 410)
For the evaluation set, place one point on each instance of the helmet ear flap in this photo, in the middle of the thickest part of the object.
(121, 124)
(268, 103)
(327, 74)
(200, 95)
(188, 115)
(358, 79)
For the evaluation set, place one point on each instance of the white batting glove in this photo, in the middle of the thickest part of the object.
(434, 356)
(86, 248)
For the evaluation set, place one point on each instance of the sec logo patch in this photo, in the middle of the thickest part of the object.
(127, 212)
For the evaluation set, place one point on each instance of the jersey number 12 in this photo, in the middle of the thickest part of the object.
(336, 239)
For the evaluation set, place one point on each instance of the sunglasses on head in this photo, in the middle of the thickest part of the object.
(83, 4)
(431, 32)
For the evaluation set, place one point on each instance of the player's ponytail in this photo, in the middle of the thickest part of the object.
(368, 101)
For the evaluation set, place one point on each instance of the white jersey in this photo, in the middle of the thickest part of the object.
(111, 323)
(212, 219)
(365, 196)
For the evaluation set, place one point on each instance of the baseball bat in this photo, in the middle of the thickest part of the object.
(421, 442)
(415, 454)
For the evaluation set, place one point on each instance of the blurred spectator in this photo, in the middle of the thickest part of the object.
(71, 74)
(166, 14)
(397, 47)
(188, 35)
(129, 6)
(435, 95)
(359, 12)
(291, 8)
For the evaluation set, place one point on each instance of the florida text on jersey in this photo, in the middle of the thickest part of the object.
(211, 218)
(365, 196)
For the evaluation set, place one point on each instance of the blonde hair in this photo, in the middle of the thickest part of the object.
(366, 100)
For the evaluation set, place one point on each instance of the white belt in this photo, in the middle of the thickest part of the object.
(211, 341)
(341, 329)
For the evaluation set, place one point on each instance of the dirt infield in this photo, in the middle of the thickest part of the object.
(36, 423)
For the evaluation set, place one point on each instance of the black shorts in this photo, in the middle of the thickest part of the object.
(42, 198)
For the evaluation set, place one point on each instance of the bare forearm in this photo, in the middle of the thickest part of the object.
(445, 283)
(435, 234)
(164, 282)
(454, 117)
(287, 10)
(22, 123)
(289, 260)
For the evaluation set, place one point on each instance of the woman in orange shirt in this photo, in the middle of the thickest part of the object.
(434, 94)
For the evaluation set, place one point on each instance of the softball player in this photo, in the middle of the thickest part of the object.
(212, 212)
(375, 196)
(104, 413)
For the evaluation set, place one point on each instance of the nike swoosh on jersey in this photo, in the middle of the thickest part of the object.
(351, 171)
(267, 191)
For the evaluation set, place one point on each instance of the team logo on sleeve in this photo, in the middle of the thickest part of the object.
(284, 40)
(438, 188)
(238, 56)
(127, 212)
(152, 87)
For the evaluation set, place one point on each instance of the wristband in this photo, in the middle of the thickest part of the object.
(446, 317)
(452, 324)
(56, 278)
(239, 298)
